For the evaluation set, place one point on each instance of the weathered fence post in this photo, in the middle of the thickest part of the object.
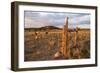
(65, 43)
(78, 49)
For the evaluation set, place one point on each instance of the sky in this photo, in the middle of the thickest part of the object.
(37, 19)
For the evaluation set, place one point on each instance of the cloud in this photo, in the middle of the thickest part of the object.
(81, 21)
(35, 23)
(84, 19)
(40, 19)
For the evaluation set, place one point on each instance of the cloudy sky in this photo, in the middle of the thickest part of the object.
(36, 19)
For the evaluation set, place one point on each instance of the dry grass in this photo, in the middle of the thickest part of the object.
(42, 45)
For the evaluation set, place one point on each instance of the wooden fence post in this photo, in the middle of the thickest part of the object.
(65, 43)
